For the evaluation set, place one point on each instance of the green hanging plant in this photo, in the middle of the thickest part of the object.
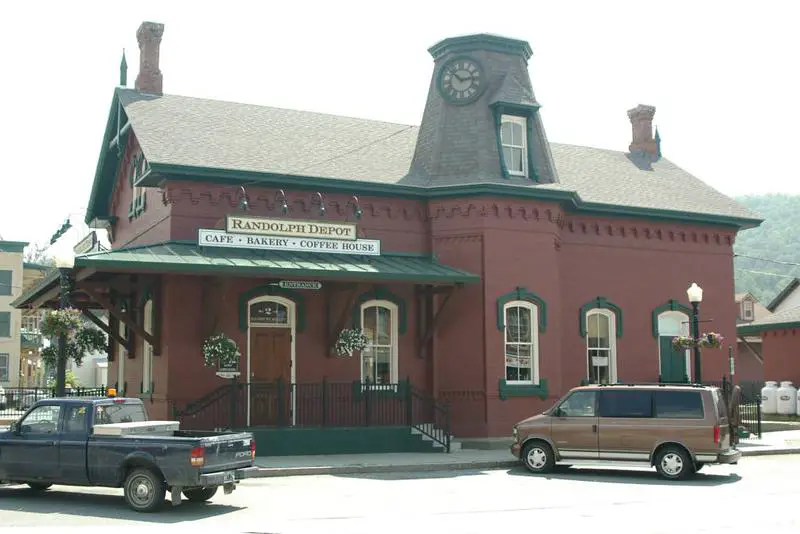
(221, 351)
(86, 340)
(57, 322)
(349, 341)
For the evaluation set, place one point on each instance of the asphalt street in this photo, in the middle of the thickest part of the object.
(760, 493)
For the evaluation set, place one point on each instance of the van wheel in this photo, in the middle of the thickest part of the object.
(673, 463)
(144, 490)
(538, 457)
(38, 486)
(200, 494)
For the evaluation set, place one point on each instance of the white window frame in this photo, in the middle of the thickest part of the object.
(612, 343)
(747, 310)
(147, 349)
(7, 367)
(534, 313)
(394, 329)
(523, 123)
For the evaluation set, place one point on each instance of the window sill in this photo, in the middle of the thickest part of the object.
(523, 390)
(397, 389)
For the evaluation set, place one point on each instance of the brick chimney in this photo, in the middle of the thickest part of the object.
(149, 79)
(642, 125)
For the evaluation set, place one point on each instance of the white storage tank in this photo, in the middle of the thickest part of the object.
(769, 398)
(787, 398)
(798, 401)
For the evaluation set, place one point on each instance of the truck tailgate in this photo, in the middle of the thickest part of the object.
(227, 451)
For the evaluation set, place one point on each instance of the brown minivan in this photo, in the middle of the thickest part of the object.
(676, 428)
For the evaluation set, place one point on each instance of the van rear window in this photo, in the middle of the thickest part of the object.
(678, 405)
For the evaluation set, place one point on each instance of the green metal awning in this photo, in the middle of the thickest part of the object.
(189, 258)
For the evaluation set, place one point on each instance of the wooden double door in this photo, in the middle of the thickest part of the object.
(270, 376)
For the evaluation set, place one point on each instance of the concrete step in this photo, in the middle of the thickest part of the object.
(431, 429)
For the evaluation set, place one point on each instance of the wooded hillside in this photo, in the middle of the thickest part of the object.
(777, 240)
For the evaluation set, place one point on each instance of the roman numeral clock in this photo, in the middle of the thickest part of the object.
(461, 80)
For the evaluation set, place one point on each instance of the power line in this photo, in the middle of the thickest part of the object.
(778, 262)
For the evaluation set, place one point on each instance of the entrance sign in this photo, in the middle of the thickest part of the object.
(220, 238)
(298, 284)
(237, 224)
(228, 374)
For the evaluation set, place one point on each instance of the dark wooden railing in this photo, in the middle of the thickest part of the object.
(318, 404)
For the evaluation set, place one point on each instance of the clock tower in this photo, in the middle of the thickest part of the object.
(481, 121)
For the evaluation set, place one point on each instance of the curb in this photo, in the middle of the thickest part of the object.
(269, 472)
(771, 452)
(272, 472)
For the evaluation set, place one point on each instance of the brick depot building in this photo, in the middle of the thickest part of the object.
(490, 269)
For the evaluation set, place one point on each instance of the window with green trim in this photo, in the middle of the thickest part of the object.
(601, 346)
(5, 324)
(514, 142)
(4, 362)
(379, 357)
(6, 285)
(521, 342)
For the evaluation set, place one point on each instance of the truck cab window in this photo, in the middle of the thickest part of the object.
(41, 420)
(76, 419)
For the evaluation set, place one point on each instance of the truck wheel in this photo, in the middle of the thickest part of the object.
(144, 490)
(200, 494)
(38, 486)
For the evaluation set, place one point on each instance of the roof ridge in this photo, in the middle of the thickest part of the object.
(225, 101)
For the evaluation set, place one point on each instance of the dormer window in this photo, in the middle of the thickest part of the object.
(747, 310)
(513, 139)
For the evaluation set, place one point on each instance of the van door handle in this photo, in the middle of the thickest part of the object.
(594, 428)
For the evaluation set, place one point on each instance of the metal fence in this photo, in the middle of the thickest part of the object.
(750, 416)
(16, 401)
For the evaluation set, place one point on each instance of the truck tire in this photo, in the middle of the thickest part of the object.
(38, 486)
(200, 494)
(145, 490)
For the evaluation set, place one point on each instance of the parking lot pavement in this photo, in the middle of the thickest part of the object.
(759, 493)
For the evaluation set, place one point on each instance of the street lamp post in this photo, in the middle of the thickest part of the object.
(64, 263)
(695, 294)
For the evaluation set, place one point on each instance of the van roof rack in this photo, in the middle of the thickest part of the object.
(659, 384)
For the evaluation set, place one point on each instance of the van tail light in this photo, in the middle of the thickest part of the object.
(253, 449)
(716, 435)
(197, 457)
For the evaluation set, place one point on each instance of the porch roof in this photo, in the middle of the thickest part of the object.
(189, 258)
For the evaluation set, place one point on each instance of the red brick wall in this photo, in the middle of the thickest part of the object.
(782, 355)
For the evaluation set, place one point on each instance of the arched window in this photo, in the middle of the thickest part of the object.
(513, 138)
(601, 346)
(521, 321)
(379, 357)
(147, 349)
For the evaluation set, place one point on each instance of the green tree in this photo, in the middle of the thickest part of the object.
(768, 257)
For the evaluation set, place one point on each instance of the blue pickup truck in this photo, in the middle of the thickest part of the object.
(106, 442)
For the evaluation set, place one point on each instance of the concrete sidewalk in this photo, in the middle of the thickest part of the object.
(339, 464)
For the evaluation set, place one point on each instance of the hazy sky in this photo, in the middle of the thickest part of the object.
(722, 75)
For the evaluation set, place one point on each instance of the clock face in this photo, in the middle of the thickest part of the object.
(461, 80)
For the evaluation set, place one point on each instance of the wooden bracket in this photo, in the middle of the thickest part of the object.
(125, 317)
(105, 328)
(448, 292)
(346, 311)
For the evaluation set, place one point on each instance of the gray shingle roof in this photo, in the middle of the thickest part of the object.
(196, 132)
(788, 318)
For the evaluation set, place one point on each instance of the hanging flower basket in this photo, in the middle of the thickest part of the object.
(57, 322)
(711, 340)
(683, 342)
(221, 351)
(349, 341)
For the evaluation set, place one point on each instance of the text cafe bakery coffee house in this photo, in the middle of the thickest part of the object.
(298, 236)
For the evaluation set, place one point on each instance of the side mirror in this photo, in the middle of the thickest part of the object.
(14, 427)
(557, 412)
